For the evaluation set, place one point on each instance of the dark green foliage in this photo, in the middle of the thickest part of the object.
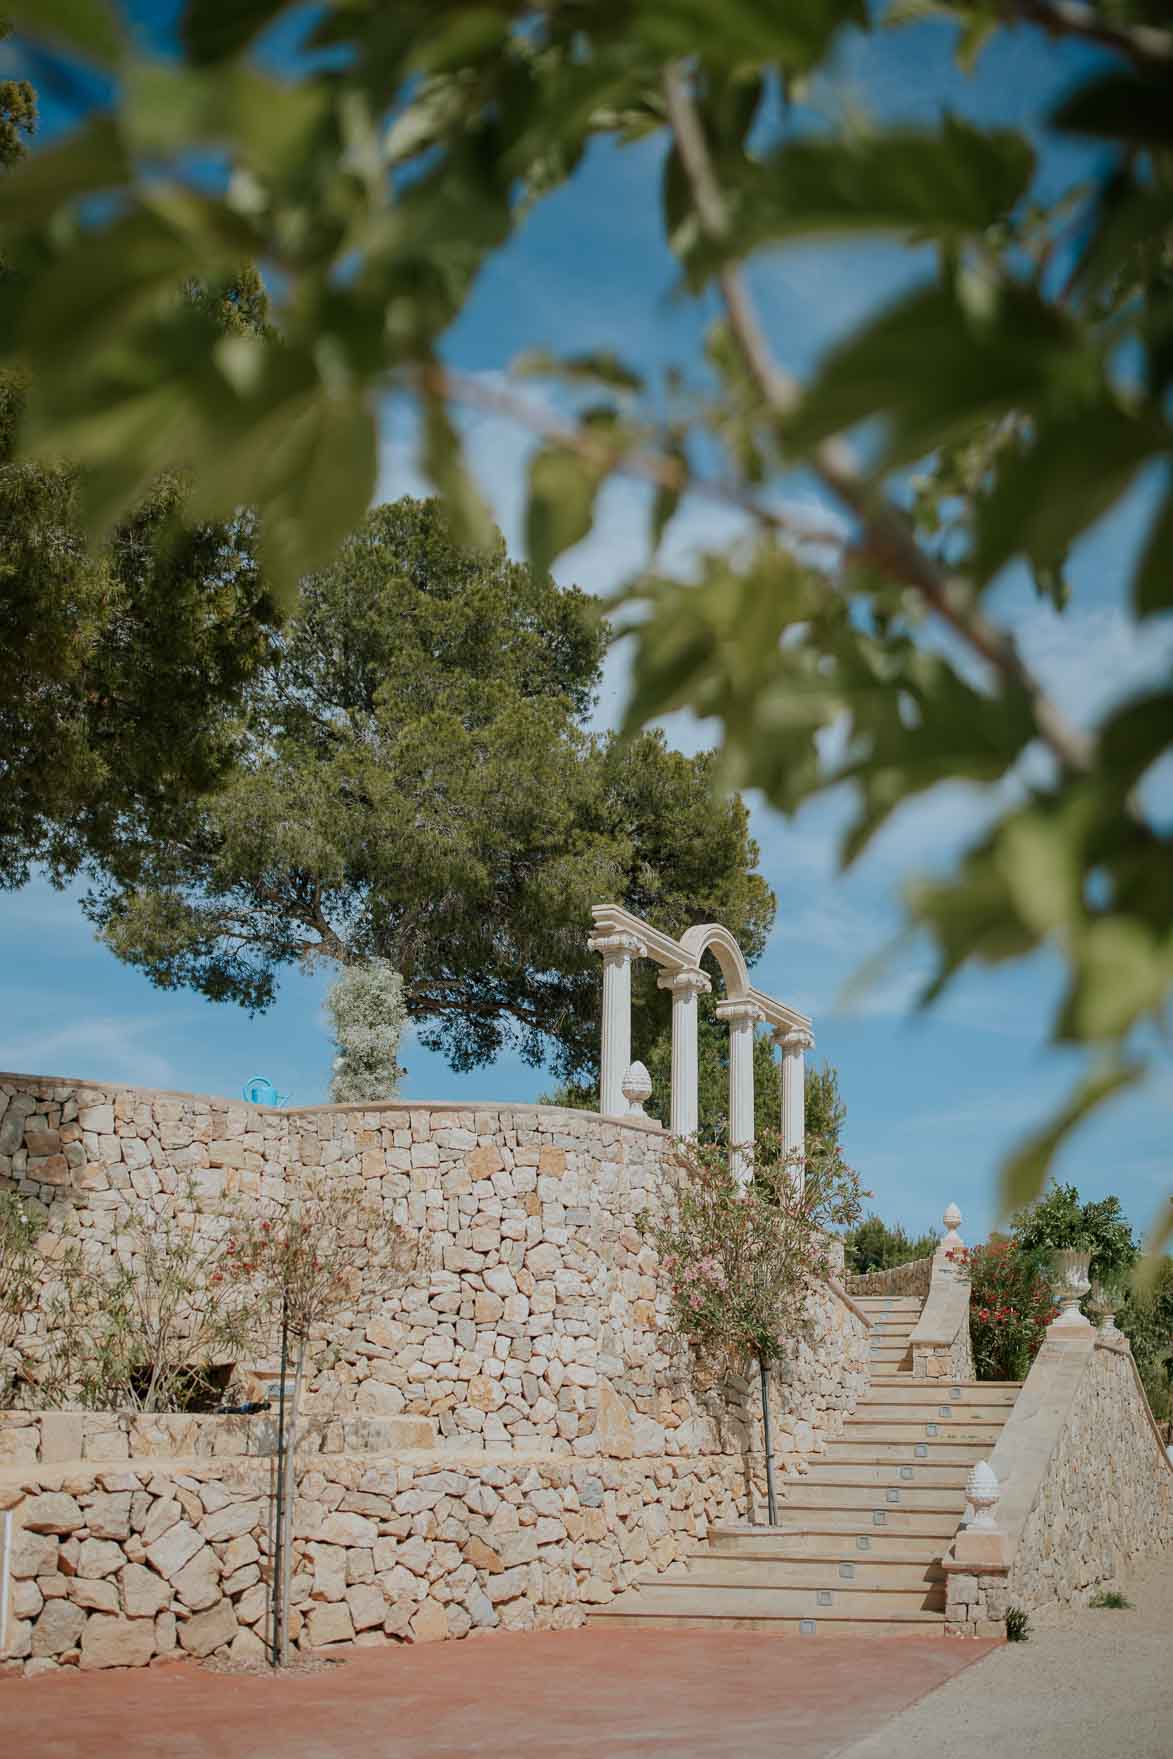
(873, 1245)
(1058, 1219)
(1017, 1625)
(1111, 1599)
(414, 784)
(1145, 1316)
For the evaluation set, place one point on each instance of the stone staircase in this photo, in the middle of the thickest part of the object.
(865, 1528)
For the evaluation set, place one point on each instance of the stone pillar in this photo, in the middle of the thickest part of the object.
(794, 1045)
(618, 951)
(685, 986)
(742, 1018)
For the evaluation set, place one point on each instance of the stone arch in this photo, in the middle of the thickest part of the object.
(715, 938)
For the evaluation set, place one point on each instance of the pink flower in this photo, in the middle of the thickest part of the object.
(696, 1301)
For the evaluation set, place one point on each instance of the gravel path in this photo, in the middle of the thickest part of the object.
(1098, 1684)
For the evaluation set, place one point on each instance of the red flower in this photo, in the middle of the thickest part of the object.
(984, 1314)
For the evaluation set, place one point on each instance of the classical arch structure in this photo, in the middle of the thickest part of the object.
(621, 937)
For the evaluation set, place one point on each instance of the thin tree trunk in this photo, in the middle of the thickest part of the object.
(767, 1443)
(288, 1497)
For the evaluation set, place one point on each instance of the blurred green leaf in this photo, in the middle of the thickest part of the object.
(562, 490)
(213, 31)
(444, 465)
(168, 110)
(91, 159)
(599, 367)
(936, 367)
(1025, 1173)
(1121, 106)
(748, 31)
(1152, 585)
(951, 182)
(1056, 485)
(80, 27)
(1122, 972)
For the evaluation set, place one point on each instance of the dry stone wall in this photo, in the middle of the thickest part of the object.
(1102, 1497)
(536, 1320)
(119, 1565)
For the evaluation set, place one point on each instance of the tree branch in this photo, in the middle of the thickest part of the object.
(647, 466)
(886, 537)
(1142, 43)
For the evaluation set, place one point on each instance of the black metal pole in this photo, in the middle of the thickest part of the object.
(278, 1532)
(771, 1504)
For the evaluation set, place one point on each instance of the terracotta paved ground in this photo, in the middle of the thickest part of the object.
(599, 1694)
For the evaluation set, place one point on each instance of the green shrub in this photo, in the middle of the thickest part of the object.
(1108, 1597)
(1058, 1220)
(873, 1245)
(1017, 1626)
(1010, 1307)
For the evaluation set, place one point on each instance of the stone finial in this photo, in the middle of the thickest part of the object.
(1072, 1284)
(983, 1491)
(951, 1238)
(637, 1086)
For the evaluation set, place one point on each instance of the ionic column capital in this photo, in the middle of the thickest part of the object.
(693, 980)
(740, 1013)
(616, 948)
(794, 1038)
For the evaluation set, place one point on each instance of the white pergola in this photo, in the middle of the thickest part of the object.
(621, 937)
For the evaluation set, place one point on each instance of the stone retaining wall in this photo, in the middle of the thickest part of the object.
(113, 1567)
(537, 1318)
(1087, 1488)
(55, 1437)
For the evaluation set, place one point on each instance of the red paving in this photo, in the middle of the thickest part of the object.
(605, 1694)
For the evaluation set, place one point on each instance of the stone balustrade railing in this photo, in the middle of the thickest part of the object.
(940, 1342)
(1078, 1485)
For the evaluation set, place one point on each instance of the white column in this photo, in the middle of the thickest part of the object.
(618, 950)
(794, 1046)
(742, 1018)
(686, 986)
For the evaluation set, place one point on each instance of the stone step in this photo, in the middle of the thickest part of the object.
(944, 1387)
(897, 1413)
(890, 1303)
(951, 1472)
(801, 1494)
(847, 1541)
(679, 1599)
(900, 1442)
(812, 1570)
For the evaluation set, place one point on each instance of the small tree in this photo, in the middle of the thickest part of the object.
(328, 1252)
(874, 1245)
(19, 1276)
(144, 1329)
(739, 1264)
(365, 1004)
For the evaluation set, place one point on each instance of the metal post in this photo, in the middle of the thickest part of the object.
(278, 1532)
(771, 1504)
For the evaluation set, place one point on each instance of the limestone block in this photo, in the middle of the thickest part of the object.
(198, 1582)
(253, 1604)
(97, 1596)
(330, 1623)
(116, 1642)
(209, 1630)
(99, 1557)
(430, 1623)
(59, 1628)
(346, 1529)
(163, 1516)
(52, 1512)
(33, 1554)
(99, 1118)
(234, 1520)
(108, 1516)
(143, 1592)
(172, 1551)
(368, 1608)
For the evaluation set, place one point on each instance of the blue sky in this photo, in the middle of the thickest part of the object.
(934, 1100)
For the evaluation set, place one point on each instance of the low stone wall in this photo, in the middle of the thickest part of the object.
(117, 1566)
(901, 1279)
(941, 1342)
(1086, 1488)
(56, 1437)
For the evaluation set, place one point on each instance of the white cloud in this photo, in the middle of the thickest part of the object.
(106, 1047)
